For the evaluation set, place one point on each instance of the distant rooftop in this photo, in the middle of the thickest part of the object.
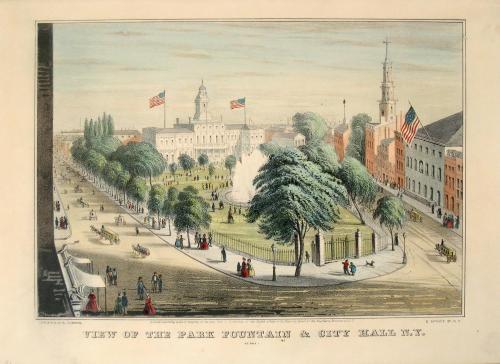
(447, 131)
(126, 132)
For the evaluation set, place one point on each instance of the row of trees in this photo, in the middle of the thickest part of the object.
(187, 163)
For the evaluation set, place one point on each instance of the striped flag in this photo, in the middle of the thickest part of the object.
(236, 104)
(157, 100)
(409, 127)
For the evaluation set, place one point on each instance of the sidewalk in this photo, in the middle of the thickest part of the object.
(60, 234)
(421, 207)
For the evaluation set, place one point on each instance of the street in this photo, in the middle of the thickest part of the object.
(426, 285)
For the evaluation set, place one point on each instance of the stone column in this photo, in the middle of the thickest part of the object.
(319, 244)
(374, 243)
(357, 236)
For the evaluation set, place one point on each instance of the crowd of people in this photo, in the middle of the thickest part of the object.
(245, 269)
(61, 222)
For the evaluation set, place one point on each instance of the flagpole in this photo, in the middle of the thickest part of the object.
(245, 111)
(164, 110)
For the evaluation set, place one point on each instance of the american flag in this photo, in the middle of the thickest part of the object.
(236, 104)
(409, 127)
(157, 100)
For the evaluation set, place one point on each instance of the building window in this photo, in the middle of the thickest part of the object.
(413, 185)
(420, 148)
(421, 167)
(419, 188)
(433, 152)
(432, 194)
(415, 162)
(439, 198)
(426, 169)
(415, 146)
(425, 191)
(426, 150)
(439, 174)
(440, 155)
(433, 172)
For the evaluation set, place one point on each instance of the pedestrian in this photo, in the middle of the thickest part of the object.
(154, 282)
(140, 288)
(61, 222)
(213, 206)
(238, 268)
(457, 223)
(148, 307)
(177, 242)
(119, 305)
(160, 283)
(396, 239)
(124, 302)
(114, 275)
(210, 238)
(136, 231)
(57, 223)
(196, 239)
(223, 254)
(92, 307)
(353, 268)
(345, 264)
(307, 257)
(182, 242)
(432, 209)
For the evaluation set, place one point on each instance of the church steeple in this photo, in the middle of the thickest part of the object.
(201, 104)
(387, 104)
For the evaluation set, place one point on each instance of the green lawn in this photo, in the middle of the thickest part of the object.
(244, 231)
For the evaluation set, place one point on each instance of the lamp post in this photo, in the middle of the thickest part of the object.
(404, 248)
(274, 262)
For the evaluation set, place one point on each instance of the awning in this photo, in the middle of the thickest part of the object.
(78, 260)
(85, 279)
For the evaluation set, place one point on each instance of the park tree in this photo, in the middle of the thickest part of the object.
(79, 150)
(137, 189)
(111, 125)
(191, 212)
(186, 162)
(86, 129)
(310, 124)
(391, 214)
(155, 201)
(203, 160)
(230, 163)
(359, 184)
(140, 159)
(111, 171)
(104, 123)
(173, 169)
(211, 169)
(121, 182)
(293, 196)
(323, 154)
(95, 163)
(356, 146)
(167, 209)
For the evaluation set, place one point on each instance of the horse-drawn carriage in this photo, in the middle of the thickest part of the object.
(414, 216)
(82, 202)
(140, 251)
(119, 220)
(107, 234)
(92, 215)
(449, 253)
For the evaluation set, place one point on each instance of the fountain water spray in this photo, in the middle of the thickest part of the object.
(243, 175)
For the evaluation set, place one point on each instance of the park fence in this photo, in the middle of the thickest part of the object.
(283, 256)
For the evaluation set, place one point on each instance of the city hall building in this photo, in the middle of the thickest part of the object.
(203, 135)
(425, 158)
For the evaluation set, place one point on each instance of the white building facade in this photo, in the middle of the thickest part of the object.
(202, 135)
(425, 158)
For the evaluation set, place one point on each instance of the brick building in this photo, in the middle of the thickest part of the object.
(453, 184)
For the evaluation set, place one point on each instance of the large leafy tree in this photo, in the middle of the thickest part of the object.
(137, 189)
(359, 184)
(203, 160)
(391, 214)
(310, 124)
(191, 212)
(155, 201)
(140, 159)
(293, 196)
(173, 168)
(95, 163)
(230, 162)
(79, 150)
(121, 182)
(111, 125)
(167, 209)
(356, 146)
(186, 162)
(323, 154)
(111, 172)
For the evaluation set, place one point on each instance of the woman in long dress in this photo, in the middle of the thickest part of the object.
(148, 307)
(119, 305)
(244, 268)
(92, 306)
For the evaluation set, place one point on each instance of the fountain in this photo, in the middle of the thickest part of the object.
(243, 174)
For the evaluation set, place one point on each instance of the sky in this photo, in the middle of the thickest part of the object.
(280, 67)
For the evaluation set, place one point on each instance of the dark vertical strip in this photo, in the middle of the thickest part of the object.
(52, 296)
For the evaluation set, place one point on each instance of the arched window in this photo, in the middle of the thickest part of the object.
(415, 163)
(425, 191)
(421, 167)
(439, 198)
(426, 169)
(439, 174)
(419, 188)
(433, 172)
(432, 194)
